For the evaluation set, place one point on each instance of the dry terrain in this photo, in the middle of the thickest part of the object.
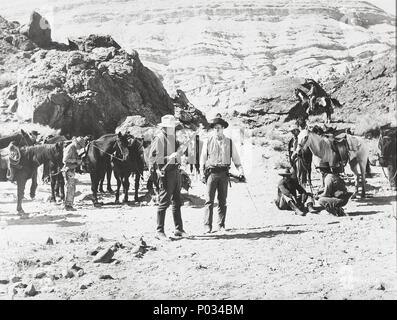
(264, 254)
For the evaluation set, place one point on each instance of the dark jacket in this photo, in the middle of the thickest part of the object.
(289, 186)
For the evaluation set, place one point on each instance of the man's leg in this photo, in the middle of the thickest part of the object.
(212, 183)
(331, 204)
(164, 202)
(391, 171)
(292, 205)
(70, 188)
(176, 202)
(223, 186)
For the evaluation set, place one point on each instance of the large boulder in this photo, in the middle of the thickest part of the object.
(84, 92)
(38, 30)
(88, 43)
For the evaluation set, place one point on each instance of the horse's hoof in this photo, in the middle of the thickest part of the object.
(116, 201)
(125, 200)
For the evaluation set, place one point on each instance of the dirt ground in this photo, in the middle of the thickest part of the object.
(264, 254)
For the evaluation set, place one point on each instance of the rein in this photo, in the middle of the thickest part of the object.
(111, 155)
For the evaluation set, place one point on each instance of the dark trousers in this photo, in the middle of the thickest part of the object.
(334, 202)
(170, 193)
(216, 182)
(391, 171)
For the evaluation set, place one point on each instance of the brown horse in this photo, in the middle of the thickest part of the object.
(99, 153)
(31, 158)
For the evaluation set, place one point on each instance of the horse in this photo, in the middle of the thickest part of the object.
(124, 165)
(52, 171)
(322, 147)
(31, 158)
(387, 146)
(100, 151)
(323, 104)
(18, 139)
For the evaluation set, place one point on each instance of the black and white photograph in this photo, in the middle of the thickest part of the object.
(198, 150)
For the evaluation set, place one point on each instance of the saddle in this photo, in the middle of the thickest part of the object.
(340, 147)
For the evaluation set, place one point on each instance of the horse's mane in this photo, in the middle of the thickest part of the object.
(40, 152)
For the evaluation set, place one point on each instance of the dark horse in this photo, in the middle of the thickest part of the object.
(52, 172)
(125, 165)
(31, 158)
(323, 104)
(388, 158)
(99, 153)
(19, 139)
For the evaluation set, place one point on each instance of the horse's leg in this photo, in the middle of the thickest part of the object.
(109, 178)
(21, 182)
(137, 180)
(118, 179)
(94, 186)
(363, 166)
(353, 167)
(33, 186)
(126, 187)
(100, 183)
(61, 185)
(53, 181)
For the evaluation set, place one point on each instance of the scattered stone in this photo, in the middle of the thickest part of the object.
(31, 290)
(40, 275)
(4, 281)
(67, 274)
(47, 263)
(54, 277)
(83, 287)
(16, 279)
(106, 277)
(380, 286)
(104, 256)
(80, 273)
(20, 286)
(50, 242)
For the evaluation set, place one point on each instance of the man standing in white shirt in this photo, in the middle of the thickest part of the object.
(216, 156)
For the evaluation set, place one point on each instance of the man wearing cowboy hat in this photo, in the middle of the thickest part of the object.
(216, 156)
(335, 194)
(71, 161)
(164, 158)
(291, 195)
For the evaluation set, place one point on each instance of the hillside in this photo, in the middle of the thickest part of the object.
(214, 50)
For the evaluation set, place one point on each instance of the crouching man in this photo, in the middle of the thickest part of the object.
(335, 195)
(292, 196)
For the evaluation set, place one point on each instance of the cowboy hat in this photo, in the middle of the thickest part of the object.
(169, 121)
(285, 172)
(218, 120)
(295, 128)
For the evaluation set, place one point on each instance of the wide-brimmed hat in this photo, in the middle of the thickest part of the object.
(218, 120)
(323, 165)
(169, 121)
(285, 172)
(295, 128)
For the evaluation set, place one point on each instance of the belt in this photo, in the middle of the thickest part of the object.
(218, 169)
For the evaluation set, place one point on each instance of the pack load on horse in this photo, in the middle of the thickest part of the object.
(30, 159)
(337, 151)
(387, 146)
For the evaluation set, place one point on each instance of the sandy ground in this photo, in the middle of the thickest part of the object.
(265, 253)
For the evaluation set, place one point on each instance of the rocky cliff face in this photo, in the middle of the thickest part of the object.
(85, 87)
(217, 51)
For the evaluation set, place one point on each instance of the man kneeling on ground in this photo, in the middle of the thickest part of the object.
(292, 196)
(335, 195)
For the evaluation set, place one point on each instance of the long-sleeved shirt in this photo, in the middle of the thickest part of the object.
(71, 157)
(161, 148)
(289, 186)
(216, 153)
(334, 186)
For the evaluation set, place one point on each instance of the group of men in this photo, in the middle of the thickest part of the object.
(215, 159)
(293, 196)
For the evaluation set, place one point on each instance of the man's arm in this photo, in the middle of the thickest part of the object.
(153, 155)
(236, 159)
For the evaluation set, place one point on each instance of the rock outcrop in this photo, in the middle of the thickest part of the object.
(188, 114)
(37, 30)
